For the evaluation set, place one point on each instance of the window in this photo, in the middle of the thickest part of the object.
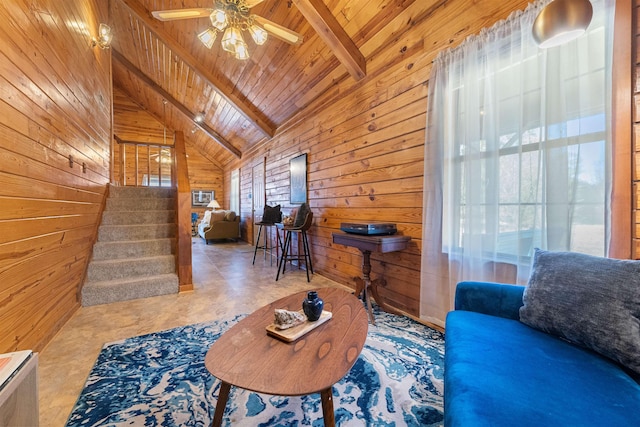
(234, 201)
(522, 138)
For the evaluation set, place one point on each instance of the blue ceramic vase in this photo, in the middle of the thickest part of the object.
(312, 306)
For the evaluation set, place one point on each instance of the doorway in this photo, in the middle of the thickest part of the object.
(259, 196)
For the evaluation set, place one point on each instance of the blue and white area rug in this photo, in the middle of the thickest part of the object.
(160, 379)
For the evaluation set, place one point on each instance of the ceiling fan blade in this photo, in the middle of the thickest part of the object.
(278, 31)
(251, 3)
(175, 14)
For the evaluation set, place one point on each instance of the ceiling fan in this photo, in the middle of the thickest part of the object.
(163, 156)
(231, 17)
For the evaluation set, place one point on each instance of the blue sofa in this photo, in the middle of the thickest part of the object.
(501, 372)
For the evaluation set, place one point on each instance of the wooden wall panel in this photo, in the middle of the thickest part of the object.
(635, 149)
(52, 109)
(365, 144)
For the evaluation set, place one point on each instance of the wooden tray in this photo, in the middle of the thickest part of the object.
(292, 334)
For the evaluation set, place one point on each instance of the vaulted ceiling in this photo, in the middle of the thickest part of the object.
(163, 67)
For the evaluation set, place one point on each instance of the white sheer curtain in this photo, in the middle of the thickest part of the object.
(234, 191)
(517, 154)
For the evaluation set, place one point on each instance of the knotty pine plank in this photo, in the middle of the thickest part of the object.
(21, 251)
(21, 186)
(14, 208)
(32, 227)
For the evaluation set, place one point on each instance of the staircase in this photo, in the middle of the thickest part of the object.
(134, 254)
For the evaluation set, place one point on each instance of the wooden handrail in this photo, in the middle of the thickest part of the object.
(183, 213)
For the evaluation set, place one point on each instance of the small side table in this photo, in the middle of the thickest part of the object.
(367, 244)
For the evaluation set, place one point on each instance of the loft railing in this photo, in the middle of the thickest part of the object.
(142, 164)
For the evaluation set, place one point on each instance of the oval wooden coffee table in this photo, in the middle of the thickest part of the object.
(246, 357)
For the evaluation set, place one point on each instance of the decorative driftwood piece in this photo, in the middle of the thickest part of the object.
(285, 319)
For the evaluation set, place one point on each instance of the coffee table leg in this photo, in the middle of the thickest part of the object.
(327, 407)
(223, 396)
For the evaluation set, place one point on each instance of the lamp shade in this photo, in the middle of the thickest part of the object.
(231, 38)
(561, 21)
(219, 19)
(242, 51)
(258, 34)
(208, 36)
(213, 204)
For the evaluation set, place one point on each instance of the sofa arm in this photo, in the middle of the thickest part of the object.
(495, 299)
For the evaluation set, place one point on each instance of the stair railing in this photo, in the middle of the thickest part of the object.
(142, 164)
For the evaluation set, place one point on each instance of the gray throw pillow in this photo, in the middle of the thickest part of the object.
(590, 301)
(301, 215)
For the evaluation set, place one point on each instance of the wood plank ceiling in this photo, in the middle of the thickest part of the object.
(244, 102)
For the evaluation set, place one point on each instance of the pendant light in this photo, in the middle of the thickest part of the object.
(561, 21)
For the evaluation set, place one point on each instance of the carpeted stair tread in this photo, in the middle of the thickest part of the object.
(133, 217)
(111, 269)
(119, 192)
(141, 204)
(133, 248)
(104, 292)
(112, 233)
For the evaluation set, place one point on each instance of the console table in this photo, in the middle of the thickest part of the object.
(367, 244)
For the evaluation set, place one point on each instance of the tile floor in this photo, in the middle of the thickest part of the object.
(226, 284)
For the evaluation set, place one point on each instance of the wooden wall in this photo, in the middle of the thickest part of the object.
(55, 104)
(205, 175)
(365, 145)
(636, 129)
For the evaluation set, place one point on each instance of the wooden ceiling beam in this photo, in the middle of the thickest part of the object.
(329, 29)
(248, 111)
(180, 107)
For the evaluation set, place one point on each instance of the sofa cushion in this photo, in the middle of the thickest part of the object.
(217, 216)
(229, 215)
(588, 300)
(271, 214)
(500, 372)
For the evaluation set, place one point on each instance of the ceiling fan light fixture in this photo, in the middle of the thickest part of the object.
(242, 51)
(561, 21)
(208, 37)
(231, 18)
(231, 38)
(258, 34)
(219, 19)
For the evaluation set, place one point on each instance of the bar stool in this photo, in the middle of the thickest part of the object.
(301, 231)
(267, 246)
